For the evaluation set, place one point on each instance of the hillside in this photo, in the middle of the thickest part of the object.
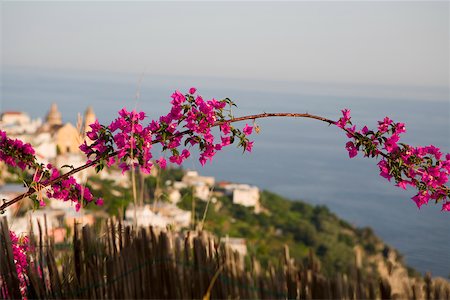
(338, 245)
(296, 224)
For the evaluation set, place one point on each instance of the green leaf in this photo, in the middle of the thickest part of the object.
(99, 167)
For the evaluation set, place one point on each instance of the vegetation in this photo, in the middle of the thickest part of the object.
(13, 175)
(298, 225)
(118, 197)
(152, 183)
(284, 222)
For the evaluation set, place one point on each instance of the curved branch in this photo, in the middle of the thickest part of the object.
(31, 191)
(270, 115)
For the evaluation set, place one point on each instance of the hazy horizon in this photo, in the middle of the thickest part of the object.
(173, 82)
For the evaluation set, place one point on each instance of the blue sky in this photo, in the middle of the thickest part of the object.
(380, 43)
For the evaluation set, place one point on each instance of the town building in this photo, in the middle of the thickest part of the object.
(66, 137)
(243, 194)
(17, 123)
(236, 244)
(192, 178)
(159, 215)
(15, 118)
(202, 185)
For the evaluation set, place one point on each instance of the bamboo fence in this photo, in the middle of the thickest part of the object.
(146, 263)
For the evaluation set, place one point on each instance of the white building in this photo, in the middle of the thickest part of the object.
(174, 195)
(44, 146)
(202, 185)
(244, 194)
(177, 217)
(15, 117)
(202, 191)
(144, 217)
(14, 123)
(192, 178)
(236, 244)
(158, 215)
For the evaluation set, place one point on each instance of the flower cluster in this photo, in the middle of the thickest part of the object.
(188, 124)
(67, 189)
(16, 153)
(425, 168)
(126, 135)
(20, 247)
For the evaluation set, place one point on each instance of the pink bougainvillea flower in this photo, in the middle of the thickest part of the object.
(225, 128)
(247, 129)
(391, 143)
(383, 126)
(249, 146)
(384, 169)
(404, 183)
(421, 198)
(185, 154)
(202, 160)
(433, 151)
(351, 131)
(364, 130)
(15, 152)
(162, 162)
(352, 150)
(176, 159)
(344, 119)
(400, 128)
(446, 206)
(226, 140)
(20, 247)
(346, 114)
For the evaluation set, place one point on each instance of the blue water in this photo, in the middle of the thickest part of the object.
(298, 158)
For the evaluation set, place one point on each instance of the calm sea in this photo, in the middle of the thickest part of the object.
(298, 158)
